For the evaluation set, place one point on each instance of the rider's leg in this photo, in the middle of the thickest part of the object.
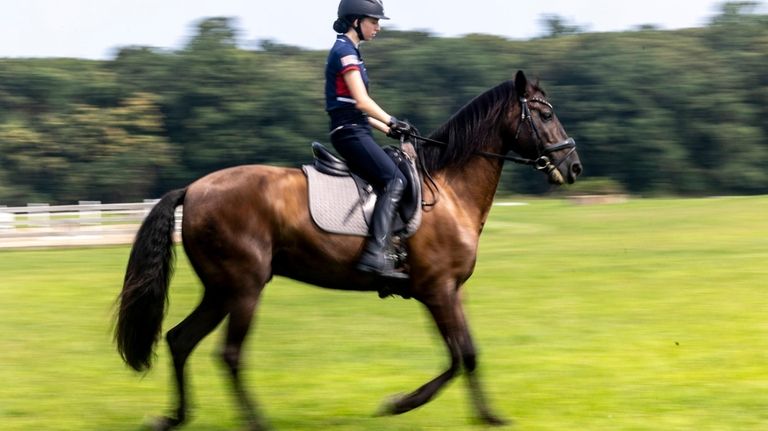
(375, 257)
(368, 160)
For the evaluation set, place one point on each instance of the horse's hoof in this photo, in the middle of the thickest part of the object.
(390, 406)
(493, 420)
(161, 423)
(257, 427)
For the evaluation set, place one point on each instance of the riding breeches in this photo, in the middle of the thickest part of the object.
(365, 157)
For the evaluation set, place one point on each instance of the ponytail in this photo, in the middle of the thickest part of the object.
(341, 25)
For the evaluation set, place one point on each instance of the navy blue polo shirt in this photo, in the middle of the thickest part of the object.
(342, 58)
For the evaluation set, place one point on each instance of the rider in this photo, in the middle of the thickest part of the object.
(352, 113)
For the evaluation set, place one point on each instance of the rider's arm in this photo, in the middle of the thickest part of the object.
(378, 125)
(376, 115)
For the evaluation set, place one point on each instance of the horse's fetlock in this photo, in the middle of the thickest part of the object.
(470, 361)
(231, 357)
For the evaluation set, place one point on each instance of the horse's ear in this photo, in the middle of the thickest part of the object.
(521, 84)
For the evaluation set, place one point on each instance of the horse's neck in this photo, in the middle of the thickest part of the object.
(474, 182)
(474, 186)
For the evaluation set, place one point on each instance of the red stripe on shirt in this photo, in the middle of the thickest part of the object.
(341, 85)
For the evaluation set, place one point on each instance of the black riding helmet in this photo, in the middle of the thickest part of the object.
(350, 10)
(371, 8)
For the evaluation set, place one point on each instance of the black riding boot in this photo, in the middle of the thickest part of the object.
(374, 258)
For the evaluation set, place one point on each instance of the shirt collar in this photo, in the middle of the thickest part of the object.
(346, 39)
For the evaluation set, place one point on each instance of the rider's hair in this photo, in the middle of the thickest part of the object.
(343, 24)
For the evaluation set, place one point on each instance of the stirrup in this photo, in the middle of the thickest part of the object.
(390, 273)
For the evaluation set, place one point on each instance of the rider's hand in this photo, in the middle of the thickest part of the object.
(398, 128)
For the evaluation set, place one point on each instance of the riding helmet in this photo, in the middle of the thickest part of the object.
(369, 8)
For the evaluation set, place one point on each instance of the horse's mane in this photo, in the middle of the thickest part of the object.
(470, 129)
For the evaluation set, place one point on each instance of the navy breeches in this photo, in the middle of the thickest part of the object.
(364, 157)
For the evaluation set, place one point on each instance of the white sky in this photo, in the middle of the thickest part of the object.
(95, 28)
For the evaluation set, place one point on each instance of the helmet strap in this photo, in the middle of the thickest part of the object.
(359, 30)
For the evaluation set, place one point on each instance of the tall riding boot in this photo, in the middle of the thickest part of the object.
(374, 258)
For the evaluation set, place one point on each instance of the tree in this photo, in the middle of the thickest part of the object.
(556, 25)
(673, 112)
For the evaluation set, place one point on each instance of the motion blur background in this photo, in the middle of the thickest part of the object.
(654, 111)
(644, 315)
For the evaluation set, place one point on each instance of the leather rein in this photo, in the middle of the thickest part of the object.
(542, 162)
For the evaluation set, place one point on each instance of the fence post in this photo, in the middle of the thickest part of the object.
(89, 216)
(40, 218)
(6, 218)
(178, 215)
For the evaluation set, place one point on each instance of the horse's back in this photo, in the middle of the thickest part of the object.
(227, 211)
(243, 189)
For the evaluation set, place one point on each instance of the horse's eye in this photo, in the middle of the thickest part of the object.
(546, 115)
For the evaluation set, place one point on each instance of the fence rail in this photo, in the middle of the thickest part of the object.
(87, 223)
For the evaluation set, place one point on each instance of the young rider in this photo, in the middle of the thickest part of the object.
(352, 114)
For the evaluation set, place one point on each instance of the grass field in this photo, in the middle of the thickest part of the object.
(646, 315)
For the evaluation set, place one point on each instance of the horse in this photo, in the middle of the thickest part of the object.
(245, 224)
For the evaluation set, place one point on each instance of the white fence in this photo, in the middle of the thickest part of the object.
(88, 223)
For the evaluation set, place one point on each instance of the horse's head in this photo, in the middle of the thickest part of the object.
(533, 131)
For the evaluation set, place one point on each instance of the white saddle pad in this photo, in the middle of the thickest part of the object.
(336, 206)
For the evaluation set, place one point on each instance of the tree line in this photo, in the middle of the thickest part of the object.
(654, 112)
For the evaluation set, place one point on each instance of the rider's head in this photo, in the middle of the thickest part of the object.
(353, 14)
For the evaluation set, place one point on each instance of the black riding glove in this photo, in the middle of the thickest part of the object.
(399, 128)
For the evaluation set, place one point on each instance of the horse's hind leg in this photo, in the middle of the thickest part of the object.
(240, 317)
(182, 339)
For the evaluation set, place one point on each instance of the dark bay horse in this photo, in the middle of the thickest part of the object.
(243, 225)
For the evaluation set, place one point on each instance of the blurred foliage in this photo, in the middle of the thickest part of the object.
(658, 112)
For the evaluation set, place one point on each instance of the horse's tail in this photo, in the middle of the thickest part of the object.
(145, 288)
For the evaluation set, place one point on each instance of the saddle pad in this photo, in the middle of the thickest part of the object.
(336, 206)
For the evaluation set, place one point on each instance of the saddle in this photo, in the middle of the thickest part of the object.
(342, 202)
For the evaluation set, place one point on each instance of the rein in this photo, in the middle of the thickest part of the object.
(519, 160)
(541, 163)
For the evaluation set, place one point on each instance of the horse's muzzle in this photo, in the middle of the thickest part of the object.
(574, 170)
(564, 171)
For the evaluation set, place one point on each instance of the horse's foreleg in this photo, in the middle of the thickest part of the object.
(422, 395)
(239, 323)
(446, 311)
(469, 358)
(448, 314)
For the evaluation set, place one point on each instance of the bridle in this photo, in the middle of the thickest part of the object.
(542, 162)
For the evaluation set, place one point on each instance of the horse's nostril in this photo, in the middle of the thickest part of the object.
(576, 168)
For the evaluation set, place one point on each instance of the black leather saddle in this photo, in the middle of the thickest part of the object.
(329, 164)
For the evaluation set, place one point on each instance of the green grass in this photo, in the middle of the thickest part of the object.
(647, 315)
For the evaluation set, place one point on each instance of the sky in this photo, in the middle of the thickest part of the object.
(96, 29)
